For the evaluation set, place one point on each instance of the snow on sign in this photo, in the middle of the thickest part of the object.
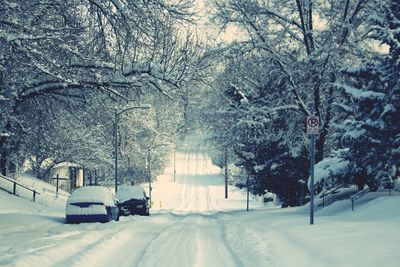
(312, 124)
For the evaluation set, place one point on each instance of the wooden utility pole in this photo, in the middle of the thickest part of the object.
(58, 179)
(95, 177)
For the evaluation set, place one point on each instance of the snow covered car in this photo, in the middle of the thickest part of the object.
(132, 200)
(91, 204)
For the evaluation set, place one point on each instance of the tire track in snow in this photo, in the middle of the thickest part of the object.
(197, 240)
(124, 246)
(241, 239)
(180, 240)
(195, 191)
(83, 249)
(266, 248)
(64, 245)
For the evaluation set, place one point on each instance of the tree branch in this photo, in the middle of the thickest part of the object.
(303, 26)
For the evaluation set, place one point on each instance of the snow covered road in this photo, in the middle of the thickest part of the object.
(191, 224)
(195, 235)
(186, 230)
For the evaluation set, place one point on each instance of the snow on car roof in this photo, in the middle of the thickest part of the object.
(126, 192)
(91, 194)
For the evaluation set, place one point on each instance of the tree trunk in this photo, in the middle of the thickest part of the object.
(3, 162)
(320, 144)
(3, 155)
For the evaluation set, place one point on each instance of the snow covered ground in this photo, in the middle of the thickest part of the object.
(191, 224)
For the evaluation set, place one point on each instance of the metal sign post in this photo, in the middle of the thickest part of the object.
(226, 173)
(247, 185)
(312, 125)
(312, 179)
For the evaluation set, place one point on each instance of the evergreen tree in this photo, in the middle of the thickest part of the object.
(373, 135)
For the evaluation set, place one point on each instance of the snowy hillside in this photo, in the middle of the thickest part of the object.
(46, 192)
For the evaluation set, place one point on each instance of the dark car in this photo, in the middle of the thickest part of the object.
(91, 204)
(132, 200)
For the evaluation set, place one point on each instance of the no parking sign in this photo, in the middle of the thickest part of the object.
(312, 125)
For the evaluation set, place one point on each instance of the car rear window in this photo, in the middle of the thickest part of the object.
(86, 204)
(125, 193)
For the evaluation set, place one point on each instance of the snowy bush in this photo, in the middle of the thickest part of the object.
(331, 170)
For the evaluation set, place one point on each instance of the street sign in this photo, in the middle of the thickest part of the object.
(312, 125)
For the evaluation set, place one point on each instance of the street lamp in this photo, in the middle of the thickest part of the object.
(149, 165)
(117, 113)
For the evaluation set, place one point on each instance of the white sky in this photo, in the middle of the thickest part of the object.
(206, 28)
(213, 33)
